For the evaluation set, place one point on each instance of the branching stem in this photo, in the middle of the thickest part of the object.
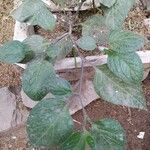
(60, 37)
(80, 5)
(85, 116)
(69, 33)
(81, 83)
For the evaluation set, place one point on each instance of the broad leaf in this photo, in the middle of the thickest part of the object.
(40, 78)
(36, 79)
(107, 3)
(116, 15)
(114, 90)
(52, 52)
(29, 54)
(60, 87)
(86, 43)
(12, 52)
(128, 67)
(49, 123)
(95, 27)
(125, 41)
(77, 141)
(64, 46)
(37, 43)
(35, 12)
(108, 134)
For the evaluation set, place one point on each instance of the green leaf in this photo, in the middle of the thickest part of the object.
(52, 52)
(36, 79)
(60, 87)
(116, 15)
(36, 13)
(65, 46)
(86, 43)
(29, 54)
(108, 134)
(125, 41)
(107, 3)
(77, 141)
(90, 141)
(128, 67)
(49, 123)
(59, 50)
(12, 52)
(37, 43)
(40, 78)
(114, 90)
(95, 27)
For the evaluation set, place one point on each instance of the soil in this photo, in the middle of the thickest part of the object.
(9, 75)
(6, 21)
(135, 23)
(133, 120)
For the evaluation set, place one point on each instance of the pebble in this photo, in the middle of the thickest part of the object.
(141, 135)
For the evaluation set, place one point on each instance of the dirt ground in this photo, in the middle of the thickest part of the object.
(6, 22)
(133, 120)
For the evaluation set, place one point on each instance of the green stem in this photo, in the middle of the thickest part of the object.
(75, 59)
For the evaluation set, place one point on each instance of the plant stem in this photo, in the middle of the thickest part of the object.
(80, 91)
(93, 3)
(61, 37)
(80, 84)
(75, 60)
(80, 5)
(71, 22)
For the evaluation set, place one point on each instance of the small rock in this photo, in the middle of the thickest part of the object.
(141, 135)
(147, 22)
(7, 107)
(148, 103)
(10, 114)
(14, 137)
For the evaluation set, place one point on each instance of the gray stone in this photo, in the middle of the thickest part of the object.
(12, 112)
(7, 108)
